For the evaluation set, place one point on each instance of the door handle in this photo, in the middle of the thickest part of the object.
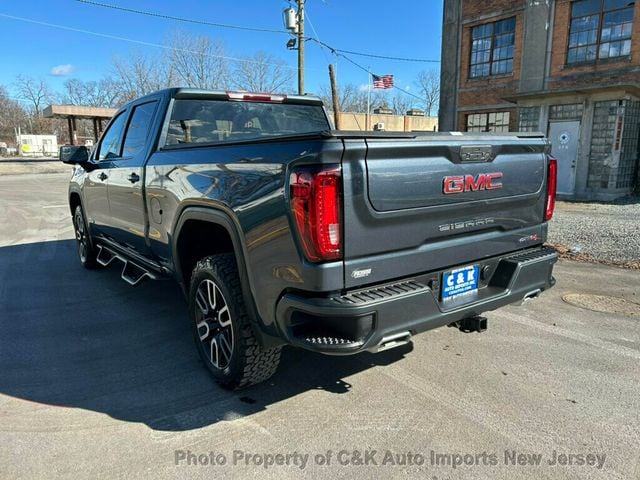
(133, 177)
(103, 176)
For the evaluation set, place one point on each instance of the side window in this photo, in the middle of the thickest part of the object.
(138, 131)
(111, 140)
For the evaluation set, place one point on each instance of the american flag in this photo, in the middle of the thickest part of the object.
(382, 81)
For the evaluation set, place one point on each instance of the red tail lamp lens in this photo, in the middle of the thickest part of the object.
(316, 207)
(552, 184)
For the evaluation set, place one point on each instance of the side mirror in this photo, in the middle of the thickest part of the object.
(74, 154)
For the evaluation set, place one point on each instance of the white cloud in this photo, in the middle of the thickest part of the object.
(62, 70)
(363, 87)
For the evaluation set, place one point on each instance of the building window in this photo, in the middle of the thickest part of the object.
(492, 46)
(529, 119)
(605, 118)
(600, 29)
(615, 131)
(488, 122)
(630, 148)
(572, 111)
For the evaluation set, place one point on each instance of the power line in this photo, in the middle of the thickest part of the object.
(385, 57)
(338, 53)
(139, 42)
(181, 19)
(409, 93)
(308, 18)
(252, 29)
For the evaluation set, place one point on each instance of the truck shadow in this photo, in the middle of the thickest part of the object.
(85, 339)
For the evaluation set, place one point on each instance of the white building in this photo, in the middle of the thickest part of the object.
(37, 145)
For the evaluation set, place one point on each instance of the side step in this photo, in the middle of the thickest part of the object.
(132, 273)
(104, 257)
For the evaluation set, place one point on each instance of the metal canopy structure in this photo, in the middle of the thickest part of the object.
(75, 112)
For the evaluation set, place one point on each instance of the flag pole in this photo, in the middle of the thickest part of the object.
(368, 118)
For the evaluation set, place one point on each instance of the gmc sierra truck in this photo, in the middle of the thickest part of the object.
(282, 231)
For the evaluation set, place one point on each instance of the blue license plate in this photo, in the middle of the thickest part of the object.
(461, 281)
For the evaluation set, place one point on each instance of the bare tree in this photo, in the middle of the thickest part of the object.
(400, 103)
(346, 97)
(103, 93)
(12, 116)
(377, 99)
(428, 83)
(198, 62)
(140, 75)
(263, 73)
(34, 91)
(74, 92)
(192, 61)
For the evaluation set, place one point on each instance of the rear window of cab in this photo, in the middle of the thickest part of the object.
(198, 121)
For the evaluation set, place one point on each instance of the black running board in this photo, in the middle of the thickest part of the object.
(132, 273)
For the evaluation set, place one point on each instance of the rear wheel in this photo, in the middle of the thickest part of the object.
(221, 326)
(86, 252)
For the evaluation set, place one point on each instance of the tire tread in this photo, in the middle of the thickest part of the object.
(258, 365)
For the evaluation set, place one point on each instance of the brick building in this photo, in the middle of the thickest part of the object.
(568, 68)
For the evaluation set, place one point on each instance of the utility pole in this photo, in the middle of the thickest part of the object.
(334, 97)
(368, 117)
(300, 47)
(294, 22)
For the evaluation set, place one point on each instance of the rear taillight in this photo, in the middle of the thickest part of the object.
(552, 182)
(317, 209)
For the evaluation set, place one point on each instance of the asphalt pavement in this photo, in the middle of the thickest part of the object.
(24, 166)
(102, 380)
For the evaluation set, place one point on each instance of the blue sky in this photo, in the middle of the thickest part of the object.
(411, 29)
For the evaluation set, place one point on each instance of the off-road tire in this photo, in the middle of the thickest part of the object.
(86, 251)
(249, 364)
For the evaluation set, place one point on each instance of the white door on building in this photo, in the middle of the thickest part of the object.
(565, 139)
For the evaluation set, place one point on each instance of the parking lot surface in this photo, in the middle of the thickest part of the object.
(102, 380)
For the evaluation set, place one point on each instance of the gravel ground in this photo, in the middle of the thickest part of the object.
(606, 233)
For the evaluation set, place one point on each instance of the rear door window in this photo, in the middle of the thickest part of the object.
(139, 128)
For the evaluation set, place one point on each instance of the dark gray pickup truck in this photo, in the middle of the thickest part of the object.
(282, 231)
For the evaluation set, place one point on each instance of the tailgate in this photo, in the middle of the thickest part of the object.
(426, 203)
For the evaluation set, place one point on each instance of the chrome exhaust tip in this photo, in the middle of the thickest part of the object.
(532, 295)
(392, 341)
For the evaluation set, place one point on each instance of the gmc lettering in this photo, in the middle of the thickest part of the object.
(469, 183)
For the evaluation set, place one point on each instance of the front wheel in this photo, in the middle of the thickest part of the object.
(86, 252)
(221, 326)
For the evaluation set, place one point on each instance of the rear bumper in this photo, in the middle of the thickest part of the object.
(364, 319)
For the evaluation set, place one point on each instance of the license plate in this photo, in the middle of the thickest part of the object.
(461, 281)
